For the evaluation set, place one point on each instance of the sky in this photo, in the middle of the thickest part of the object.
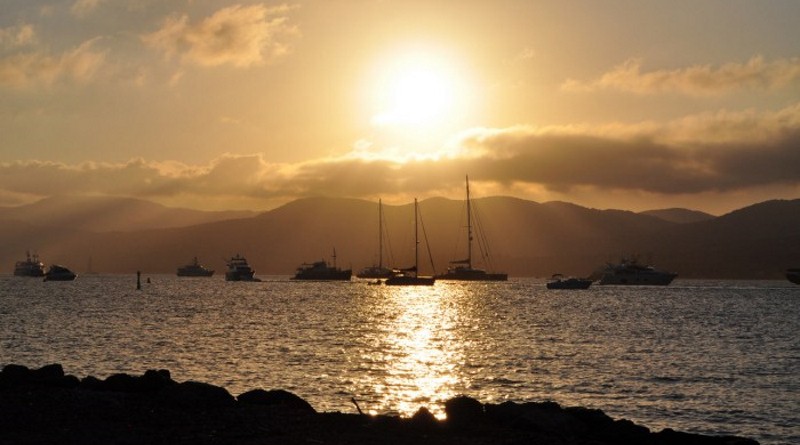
(216, 104)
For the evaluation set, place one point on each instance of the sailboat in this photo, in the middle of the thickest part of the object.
(410, 276)
(462, 270)
(377, 271)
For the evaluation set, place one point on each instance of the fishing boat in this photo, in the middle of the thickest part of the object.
(321, 271)
(239, 270)
(377, 271)
(410, 276)
(462, 270)
(629, 272)
(30, 267)
(59, 273)
(194, 269)
(559, 281)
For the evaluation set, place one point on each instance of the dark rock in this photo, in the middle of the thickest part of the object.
(670, 437)
(121, 383)
(276, 397)
(152, 408)
(196, 394)
(424, 419)
(48, 374)
(551, 418)
(153, 380)
(463, 411)
(92, 383)
(14, 375)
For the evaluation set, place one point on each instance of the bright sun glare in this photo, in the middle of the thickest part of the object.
(416, 90)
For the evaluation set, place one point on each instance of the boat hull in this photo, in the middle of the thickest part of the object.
(240, 276)
(572, 283)
(59, 273)
(60, 277)
(195, 273)
(29, 270)
(375, 272)
(638, 279)
(339, 275)
(472, 275)
(401, 280)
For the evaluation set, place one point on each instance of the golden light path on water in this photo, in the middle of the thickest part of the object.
(421, 346)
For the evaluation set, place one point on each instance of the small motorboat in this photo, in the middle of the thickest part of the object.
(558, 281)
(59, 273)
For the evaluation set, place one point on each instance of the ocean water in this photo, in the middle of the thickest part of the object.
(712, 357)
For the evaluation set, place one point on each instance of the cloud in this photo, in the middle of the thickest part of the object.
(707, 154)
(17, 36)
(241, 36)
(34, 69)
(82, 8)
(755, 74)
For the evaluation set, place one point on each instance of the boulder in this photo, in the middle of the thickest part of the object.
(277, 398)
(463, 411)
(48, 375)
(423, 419)
(196, 394)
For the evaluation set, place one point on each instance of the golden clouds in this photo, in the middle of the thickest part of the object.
(707, 153)
(83, 7)
(16, 36)
(756, 74)
(241, 36)
(39, 68)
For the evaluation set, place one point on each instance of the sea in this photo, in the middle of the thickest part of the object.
(710, 357)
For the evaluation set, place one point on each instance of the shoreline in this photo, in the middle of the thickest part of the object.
(45, 406)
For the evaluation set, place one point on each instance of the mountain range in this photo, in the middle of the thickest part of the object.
(526, 238)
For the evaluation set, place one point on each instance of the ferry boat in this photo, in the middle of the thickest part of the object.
(630, 272)
(30, 267)
(321, 271)
(59, 273)
(194, 269)
(239, 270)
(558, 281)
(462, 270)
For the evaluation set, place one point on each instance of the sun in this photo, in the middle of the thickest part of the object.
(417, 89)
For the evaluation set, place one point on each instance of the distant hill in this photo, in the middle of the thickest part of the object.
(110, 214)
(526, 238)
(679, 215)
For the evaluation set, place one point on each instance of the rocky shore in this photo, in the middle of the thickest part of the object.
(45, 406)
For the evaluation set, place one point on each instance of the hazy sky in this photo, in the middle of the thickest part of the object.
(240, 104)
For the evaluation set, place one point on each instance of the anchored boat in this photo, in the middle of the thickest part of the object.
(462, 270)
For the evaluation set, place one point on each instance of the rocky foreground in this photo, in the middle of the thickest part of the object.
(45, 406)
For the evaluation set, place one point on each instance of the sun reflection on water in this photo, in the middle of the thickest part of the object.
(422, 350)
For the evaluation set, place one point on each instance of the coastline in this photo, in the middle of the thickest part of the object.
(45, 405)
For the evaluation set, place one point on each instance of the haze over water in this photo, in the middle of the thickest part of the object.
(714, 357)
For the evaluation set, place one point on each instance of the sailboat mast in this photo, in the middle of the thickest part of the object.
(469, 229)
(380, 235)
(416, 240)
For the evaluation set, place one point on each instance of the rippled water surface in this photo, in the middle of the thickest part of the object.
(717, 357)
